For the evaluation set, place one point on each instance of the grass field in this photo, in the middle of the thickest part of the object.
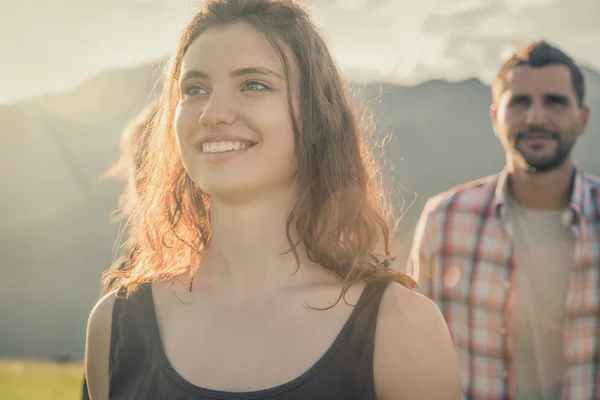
(33, 380)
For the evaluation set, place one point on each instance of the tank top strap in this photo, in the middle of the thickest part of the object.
(368, 303)
(359, 341)
(131, 344)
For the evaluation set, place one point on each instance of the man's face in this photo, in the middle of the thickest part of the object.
(537, 118)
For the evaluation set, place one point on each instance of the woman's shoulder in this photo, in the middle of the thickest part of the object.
(98, 345)
(415, 315)
(403, 304)
(101, 314)
(413, 347)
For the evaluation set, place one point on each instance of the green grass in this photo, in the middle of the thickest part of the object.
(34, 380)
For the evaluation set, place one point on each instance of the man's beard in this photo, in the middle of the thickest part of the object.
(537, 164)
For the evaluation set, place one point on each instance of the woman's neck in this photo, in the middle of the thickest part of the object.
(249, 251)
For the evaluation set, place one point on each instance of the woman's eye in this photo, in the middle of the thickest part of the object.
(255, 86)
(194, 91)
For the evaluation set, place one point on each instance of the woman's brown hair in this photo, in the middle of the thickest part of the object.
(341, 210)
(134, 142)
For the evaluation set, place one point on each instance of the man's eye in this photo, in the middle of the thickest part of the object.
(557, 101)
(520, 101)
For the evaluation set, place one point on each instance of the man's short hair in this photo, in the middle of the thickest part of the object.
(537, 55)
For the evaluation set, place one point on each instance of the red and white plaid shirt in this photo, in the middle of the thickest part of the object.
(463, 258)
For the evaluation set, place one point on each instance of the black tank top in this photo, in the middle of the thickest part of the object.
(139, 368)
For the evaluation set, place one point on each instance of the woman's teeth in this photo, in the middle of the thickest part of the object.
(221, 147)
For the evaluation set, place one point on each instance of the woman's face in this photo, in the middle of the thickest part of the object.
(233, 125)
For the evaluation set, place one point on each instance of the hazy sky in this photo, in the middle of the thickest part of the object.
(52, 45)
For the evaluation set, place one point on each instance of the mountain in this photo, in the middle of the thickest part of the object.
(56, 236)
(442, 136)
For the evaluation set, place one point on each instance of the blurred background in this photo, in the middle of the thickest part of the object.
(73, 72)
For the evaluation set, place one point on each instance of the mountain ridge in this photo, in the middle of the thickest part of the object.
(57, 237)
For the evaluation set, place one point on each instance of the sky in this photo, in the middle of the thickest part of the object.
(50, 46)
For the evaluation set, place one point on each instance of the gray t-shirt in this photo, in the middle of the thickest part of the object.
(544, 257)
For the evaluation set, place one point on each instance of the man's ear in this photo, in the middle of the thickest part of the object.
(494, 117)
(584, 117)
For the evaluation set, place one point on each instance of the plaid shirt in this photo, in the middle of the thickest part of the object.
(463, 259)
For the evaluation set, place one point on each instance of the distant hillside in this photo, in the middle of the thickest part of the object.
(56, 237)
(443, 136)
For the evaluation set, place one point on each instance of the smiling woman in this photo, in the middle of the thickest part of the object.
(258, 213)
(236, 99)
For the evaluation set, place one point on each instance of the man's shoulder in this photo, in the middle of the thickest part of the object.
(468, 196)
(591, 196)
(592, 181)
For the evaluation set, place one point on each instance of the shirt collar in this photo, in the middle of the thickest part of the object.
(575, 211)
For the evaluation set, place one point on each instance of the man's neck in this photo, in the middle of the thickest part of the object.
(546, 190)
